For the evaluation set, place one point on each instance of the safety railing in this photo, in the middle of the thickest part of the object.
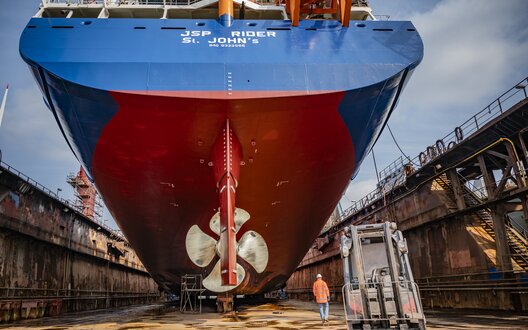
(394, 166)
(108, 2)
(119, 2)
(139, 3)
(475, 195)
(360, 204)
(480, 193)
(382, 17)
(509, 98)
(42, 293)
(485, 280)
(522, 231)
(114, 234)
(52, 194)
(403, 166)
(35, 184)
(368, 199)
(74, 2)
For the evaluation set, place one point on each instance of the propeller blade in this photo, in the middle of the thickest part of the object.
(200, 246)
(214, 224)
(253, 249)
(241, 216)
(213, 281)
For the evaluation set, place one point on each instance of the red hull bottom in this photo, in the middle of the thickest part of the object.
(152, 164)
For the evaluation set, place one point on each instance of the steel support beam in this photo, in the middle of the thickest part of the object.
(488, 177)
(457, 188)
(518, 173)
(523, 145)
(497, 215)
(524, 198)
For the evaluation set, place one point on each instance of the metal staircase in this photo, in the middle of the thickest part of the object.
(518, 244)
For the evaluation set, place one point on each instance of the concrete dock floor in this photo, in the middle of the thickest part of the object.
(290, 314)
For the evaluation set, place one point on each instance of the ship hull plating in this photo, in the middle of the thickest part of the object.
(305, 105)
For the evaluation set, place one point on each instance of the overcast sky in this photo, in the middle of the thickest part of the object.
(474, 51)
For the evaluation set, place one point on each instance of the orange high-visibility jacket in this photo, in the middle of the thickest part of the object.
(320, 291)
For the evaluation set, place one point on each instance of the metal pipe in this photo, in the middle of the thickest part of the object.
(225, 12)
(402, 251)
(357, 268)
(388, 228)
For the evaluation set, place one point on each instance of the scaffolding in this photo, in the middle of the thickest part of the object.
(87, 200)
(191, 291)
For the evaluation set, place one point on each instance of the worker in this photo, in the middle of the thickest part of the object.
(322, 296)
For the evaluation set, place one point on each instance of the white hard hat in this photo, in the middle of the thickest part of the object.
(319, 276)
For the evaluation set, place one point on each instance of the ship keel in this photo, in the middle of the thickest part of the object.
(227, 155)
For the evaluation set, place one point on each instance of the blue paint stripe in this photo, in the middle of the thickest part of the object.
(84, 62)
(112, 55)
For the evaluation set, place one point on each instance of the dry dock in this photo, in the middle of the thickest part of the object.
(462, 205)
(290, 314)
(54, 259)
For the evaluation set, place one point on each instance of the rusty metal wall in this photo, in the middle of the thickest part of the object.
(450, 256)
(417, 209)
(464, 249)
(53, 259)
(300, 283)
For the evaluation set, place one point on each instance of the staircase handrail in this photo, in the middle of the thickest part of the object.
(459, 134)
(478, 193)
(469, 189)
(520, 232)
(466, 129)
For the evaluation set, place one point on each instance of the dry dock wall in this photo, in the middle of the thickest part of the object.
(55, 260)
(454, 203)
(414, 210)
(452, 259)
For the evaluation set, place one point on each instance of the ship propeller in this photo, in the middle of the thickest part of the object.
(202, 249)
